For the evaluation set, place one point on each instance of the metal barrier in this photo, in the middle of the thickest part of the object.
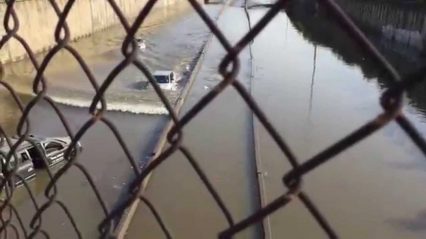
(391, 101)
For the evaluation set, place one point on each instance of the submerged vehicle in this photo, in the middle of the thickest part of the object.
(167, 80)
(34, 152)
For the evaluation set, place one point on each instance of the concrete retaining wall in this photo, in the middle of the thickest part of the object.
(38, 21)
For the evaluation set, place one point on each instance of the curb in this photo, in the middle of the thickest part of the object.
(124, 223)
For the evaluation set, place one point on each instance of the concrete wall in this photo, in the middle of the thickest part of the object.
(405, 24)
(38, 21)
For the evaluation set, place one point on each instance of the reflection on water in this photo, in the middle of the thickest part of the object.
(311, 96)
(317, 86)
(401, 24)
(399, 31)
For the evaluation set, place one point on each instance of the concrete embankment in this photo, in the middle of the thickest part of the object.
(37, 21)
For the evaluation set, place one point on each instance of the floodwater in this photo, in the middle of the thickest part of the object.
(326, 88)
(363, 191)
(316, 86)
(312, 82)
(102, 52)
(174, 37)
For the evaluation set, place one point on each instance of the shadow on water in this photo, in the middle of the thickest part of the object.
(405, 48)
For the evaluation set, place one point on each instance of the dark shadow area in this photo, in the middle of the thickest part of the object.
(317, 26)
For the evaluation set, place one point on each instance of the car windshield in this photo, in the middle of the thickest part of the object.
(161, 79)
(52, 147)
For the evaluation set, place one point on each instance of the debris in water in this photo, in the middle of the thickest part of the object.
(206, 87)
(140, 43)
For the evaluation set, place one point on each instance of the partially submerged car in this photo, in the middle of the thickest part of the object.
(167, 80)
(35, 152)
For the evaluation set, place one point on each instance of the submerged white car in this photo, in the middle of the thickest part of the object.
(167, 80)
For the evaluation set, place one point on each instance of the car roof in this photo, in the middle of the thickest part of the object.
(162, 73)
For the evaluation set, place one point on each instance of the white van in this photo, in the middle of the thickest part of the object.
(167, 80)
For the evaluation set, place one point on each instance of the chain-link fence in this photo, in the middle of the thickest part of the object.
(12, 225)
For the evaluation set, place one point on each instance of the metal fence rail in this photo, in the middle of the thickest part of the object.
(391, 101)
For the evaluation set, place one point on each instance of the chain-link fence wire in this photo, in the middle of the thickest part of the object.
(391, 102)
(5, 1)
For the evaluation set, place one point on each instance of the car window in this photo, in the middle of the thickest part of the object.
(25, 157)
(162, 79)
(52, 147)
(34, 154)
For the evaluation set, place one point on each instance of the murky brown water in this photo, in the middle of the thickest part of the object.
(373, 190)
(316, 87)
(170, 45)
(102, 52)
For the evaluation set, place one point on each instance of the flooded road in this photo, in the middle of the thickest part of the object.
(320, 82)
(174, 37)
(102, 52)
(311, 81)
(220, 140)
(316, 87)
